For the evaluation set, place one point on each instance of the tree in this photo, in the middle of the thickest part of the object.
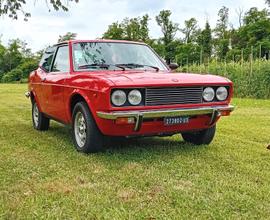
(115, 31)
(190, 30)
(129, 29)
(254, 15)
(168, 29)
(2, 54)
(12, 57)
(187, 53)
(67, 36)
(221, 33)
(205, 40)
(240, 13)
(16, 61)
(144, 30)
(255, 32)
(13, 7)
(222, 23)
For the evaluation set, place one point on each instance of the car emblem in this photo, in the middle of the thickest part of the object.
(175, 80)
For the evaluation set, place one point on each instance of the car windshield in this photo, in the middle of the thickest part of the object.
(110, 55)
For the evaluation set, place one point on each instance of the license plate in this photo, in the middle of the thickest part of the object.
(176, 120)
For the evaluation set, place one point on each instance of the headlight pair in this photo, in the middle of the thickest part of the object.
(209, 94)
(120, 97)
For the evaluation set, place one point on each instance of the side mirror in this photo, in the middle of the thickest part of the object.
(173, 66)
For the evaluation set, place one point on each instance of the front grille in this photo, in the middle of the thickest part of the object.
(173, 95)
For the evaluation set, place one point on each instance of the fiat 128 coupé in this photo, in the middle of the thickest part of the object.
(106, 88)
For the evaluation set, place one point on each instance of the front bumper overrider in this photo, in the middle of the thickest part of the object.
(214, 111)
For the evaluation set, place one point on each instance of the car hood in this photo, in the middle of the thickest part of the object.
(151, 78)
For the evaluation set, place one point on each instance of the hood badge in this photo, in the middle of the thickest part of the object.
(175, 80)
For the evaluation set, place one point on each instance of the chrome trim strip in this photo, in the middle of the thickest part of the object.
(140, 115)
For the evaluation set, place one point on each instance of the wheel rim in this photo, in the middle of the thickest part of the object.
(80, 129)
(35, 114)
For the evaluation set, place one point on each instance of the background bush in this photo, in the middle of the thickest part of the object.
(13, 75)
(250, 80)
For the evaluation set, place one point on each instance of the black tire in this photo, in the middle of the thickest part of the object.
(40, 121)
(200, 137)
(93, 139)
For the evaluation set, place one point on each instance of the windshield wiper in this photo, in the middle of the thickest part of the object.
(87, 66)
(100, 65)
(135, 65)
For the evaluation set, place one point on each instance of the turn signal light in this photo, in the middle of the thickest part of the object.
(225, 113)
(121, 121)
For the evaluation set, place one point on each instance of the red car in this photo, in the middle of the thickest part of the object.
(106, 88)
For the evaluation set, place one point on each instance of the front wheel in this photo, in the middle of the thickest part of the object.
(86, 135)
(200, 137)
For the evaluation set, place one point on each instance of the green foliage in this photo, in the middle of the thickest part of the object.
(187, 53)
(135, 29)
(255, 31)
(221, 41)
(158, 46)
(2, 61)
(27, 66)
(250, 79)
(115, 31)
(205, 40)
(12, 7)
(67, 36)
(190, 30)
(222, 23)
(13, 75)
(224, 43)
(16, 61)
(169, 30)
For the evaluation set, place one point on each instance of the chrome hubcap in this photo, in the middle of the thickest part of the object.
(35, 114)
(80, 129)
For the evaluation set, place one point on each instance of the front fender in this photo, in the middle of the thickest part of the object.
(92, 98)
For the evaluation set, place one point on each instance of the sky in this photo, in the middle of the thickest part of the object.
(90, 19)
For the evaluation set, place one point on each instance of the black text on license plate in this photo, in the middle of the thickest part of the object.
(175, 120)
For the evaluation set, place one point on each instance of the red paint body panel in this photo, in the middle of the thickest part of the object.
(54, 92)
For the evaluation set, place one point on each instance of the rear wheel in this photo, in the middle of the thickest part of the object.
(40, 121)
(200, 137)
(86, 135)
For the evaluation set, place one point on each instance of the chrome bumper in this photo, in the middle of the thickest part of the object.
(140, 115)
(27, 94)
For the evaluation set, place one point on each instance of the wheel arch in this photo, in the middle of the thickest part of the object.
(78, 96)
(34, 98)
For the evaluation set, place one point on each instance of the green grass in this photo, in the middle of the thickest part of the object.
(43, 177)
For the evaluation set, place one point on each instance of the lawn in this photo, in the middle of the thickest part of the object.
(43, 177)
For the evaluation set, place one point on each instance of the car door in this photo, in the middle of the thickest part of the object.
(40, 76)
(54, 84)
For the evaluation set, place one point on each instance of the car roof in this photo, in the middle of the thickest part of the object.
(100, 41)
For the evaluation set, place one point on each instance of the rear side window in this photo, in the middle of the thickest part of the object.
(61, 61)
(47, 58)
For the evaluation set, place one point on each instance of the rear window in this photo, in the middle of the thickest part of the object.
(47, 58)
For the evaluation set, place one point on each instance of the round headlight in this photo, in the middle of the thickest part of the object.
(134, 97)
(222, 93)
(118, 97)
(208, 94)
